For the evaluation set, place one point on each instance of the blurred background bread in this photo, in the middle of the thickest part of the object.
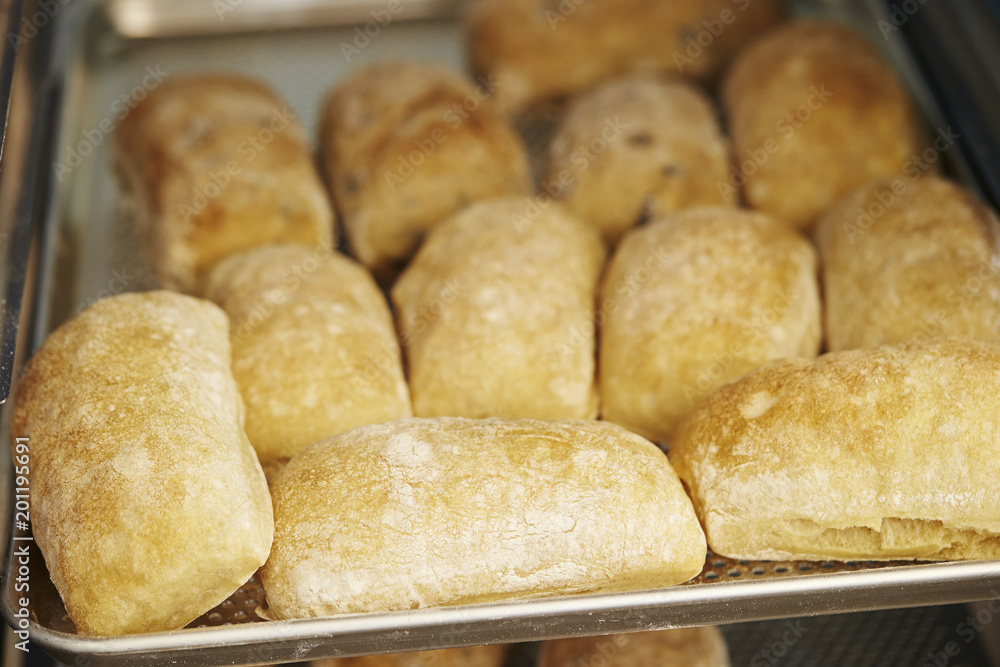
(314, 346)
(694, 300)
(496, 314)
(538, 50)
(681, 647)
(405, 145)
(814, 113)
(638, 148)
(215, 164)
(467, 656)
(910, 259)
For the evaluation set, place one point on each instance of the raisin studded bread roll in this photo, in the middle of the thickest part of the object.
(314, 347)
(638, 148)
(496, 314)
(430, 512)
(142, 479)
(886, 453)
(697, 299)
(814, 113)
(909, 259)
(404, 146)
(215, 164)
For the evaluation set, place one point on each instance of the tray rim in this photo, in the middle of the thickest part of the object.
(573, 615)
(914, 585)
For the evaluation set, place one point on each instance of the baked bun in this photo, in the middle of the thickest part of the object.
(909, 259)
(638, 148)
(428, 512)
(215, 164)
(697, 299)
(814, 113)
(406, 145)
(880, 454)
(142, 479)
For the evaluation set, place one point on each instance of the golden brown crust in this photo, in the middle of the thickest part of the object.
(404, 146)
(909, 259)
(429, 512)
(217, 163)
(539, 49)
(682, 647)
(695, 300)
(496, 314)
(142, 479)
(314, 346)
(467, 656)
(638, 147)
(814, 113)
(886, 453)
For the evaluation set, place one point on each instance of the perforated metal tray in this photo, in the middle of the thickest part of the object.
(87, 248)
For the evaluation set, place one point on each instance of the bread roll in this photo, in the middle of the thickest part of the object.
(404, 146)
(910, 259)
(467, 656)
(887, 453)
(147, 501)
(681, 647)
(538, 49)
(635, 148)
(314, 347)
(496, 315)
(215, 164)
(695, 300)
(814, 113)
(427, 512)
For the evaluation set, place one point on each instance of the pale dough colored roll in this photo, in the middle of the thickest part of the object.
(682, 647)
(405, 145)
(695, 300)
(637, 148)
(215, 164)
(909, 259)
(147, 501)
(814, 113)
(467, 656)
(538, 50)
(430, 512)
(314, 346)
(887, 453)
(496, 314)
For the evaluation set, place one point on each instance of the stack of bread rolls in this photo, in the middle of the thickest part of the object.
(464, 409)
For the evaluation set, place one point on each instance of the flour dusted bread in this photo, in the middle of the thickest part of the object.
(910, 259)
(217, 163)
(814, 113)
(404, 146)
(314, 347)
(681, 647)
(429, 512)
(636, 148)
(467, 656)
(147, 501)
(887, 453)
(496, 314)
(695, 300)
(538, 50)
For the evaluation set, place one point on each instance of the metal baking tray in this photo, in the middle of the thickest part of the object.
(63, 223)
